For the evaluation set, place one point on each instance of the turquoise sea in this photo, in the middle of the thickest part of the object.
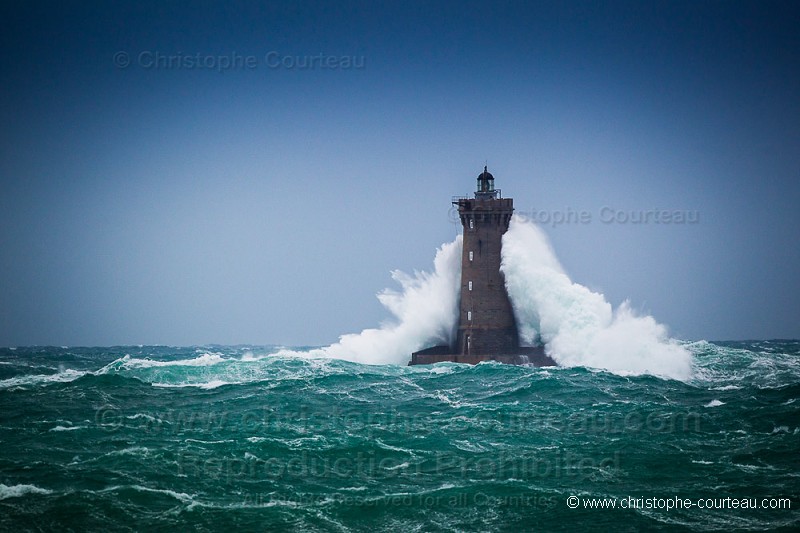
(258, 438)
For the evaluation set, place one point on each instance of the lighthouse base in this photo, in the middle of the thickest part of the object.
(532, 356)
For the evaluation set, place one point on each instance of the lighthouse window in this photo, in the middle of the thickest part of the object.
(471, 223)
(470, 255)
(470, 285)
(469, 315)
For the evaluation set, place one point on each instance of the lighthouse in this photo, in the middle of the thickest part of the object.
(486, 322)
(487, 328)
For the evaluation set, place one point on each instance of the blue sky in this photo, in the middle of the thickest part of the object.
(185, 204)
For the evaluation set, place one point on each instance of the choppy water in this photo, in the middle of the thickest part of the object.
(222, 437)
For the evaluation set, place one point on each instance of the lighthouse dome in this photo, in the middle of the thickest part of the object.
(485, 175)
(486, 183)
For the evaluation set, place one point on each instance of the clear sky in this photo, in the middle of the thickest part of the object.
(150, 194)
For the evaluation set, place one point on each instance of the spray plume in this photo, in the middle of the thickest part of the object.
(424, 314)
(578, 326)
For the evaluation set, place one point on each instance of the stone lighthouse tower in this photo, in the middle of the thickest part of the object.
(486, 324)
(487, 329)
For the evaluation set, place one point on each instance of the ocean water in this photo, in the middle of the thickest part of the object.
(268, 438)
(632, 430)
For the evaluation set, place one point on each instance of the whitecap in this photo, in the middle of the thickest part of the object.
(714, 403)
(182, 496)
(64, 376)
(249, 356)
(468, 446)
(213, 384)
(301, 442)
(15, 491)
(206, 359)
(65, 428)
(727, 387)
(385, 446)
(134, 450)
(753, 468)
(441, 396)
(147, 417)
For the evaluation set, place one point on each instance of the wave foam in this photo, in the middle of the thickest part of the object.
(206, 359)
(64, 376)
(578, 326)
(425, 313)
(213, 384)
(67, 428)
(15, 491)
